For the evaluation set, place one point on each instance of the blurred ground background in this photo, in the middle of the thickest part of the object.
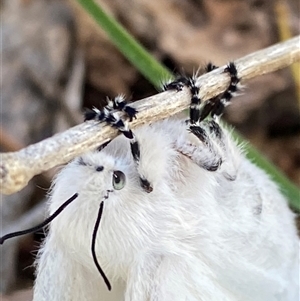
(55, 61)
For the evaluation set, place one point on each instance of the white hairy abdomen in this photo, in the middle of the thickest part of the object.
(198, 236)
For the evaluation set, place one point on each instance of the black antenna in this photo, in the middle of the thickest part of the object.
(51, 218)
(43, 224)
(96, 227)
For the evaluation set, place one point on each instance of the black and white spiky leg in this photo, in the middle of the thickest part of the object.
(115, 121)
(215, 106)
(119, 103)
(136, 154)
(112, 118)
(190, 82)
(209, 104)
(96, 114)
(209, 133)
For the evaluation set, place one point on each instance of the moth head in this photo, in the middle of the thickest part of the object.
(95, 176)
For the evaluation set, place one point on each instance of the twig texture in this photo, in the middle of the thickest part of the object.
(17, 168)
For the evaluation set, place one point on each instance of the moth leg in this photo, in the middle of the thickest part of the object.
(207, 154)
(107, 115)
(215, 106)
(230, 153)
(196, 112)
(208, 104)
(216, 147)
(212, 149)
(114, 120)
(135, 150)
(119, 103)
(190, 82)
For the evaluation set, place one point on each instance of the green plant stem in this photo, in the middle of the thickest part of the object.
(132, 50)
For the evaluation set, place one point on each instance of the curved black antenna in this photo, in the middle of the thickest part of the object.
(43, 224)
(96, 227)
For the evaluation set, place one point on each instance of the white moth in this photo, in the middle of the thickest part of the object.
(213, 228)
(198, 236)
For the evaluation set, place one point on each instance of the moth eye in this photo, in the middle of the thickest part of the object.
(119, 180)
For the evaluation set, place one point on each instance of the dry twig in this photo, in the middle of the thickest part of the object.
(17, 168)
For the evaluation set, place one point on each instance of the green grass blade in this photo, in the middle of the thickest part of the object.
(132, 50)
(156, 73)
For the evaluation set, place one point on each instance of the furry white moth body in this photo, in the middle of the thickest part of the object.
(186, 217)
(199, 235)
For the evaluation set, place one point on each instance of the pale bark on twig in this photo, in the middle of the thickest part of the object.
(17, 168)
